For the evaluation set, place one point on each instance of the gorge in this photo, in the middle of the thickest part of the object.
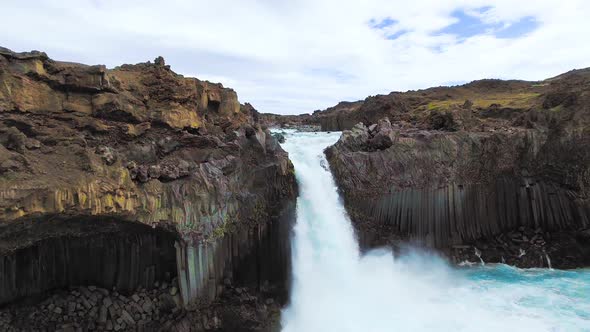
(490, 167)
(135, 198)
(336, 288)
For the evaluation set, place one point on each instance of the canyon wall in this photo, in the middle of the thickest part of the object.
(142, 149)
(334, 118)
(509, 182)
(99, 252)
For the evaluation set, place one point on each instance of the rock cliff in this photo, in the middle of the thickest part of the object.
(141, 152)
(499, 169)
(335, 118)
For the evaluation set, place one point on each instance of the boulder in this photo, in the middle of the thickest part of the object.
(13, 139)
(382, 135)
(355, 138)
(280, 137)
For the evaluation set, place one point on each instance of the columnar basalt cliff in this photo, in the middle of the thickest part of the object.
(137, 172)
(497, 169)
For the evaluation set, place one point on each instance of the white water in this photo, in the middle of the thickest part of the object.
(478, 254)
(335, 289)
(548, 261)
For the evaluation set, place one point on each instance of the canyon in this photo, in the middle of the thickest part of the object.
(493, 170)
(134, 198)
(339, 287)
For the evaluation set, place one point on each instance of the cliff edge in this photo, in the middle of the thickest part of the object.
(497, 169)
(128, 176)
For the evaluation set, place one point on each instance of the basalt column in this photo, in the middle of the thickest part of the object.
(61, 253)
(517, 196)
(255, 256)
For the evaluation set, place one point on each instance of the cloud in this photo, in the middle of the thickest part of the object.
(300, 55)
(516, 29)
(384, 23)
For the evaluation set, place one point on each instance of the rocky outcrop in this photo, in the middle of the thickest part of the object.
(338, 117)
(139, 145)
(332, 119)
(304, 122)
(508, 184)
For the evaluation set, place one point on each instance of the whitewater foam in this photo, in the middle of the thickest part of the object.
(336, 289)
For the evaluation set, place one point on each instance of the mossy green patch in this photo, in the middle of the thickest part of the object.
(514, 100)
(556, 109)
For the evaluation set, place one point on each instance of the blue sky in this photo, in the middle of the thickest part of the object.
(472, 23)
(301, 55)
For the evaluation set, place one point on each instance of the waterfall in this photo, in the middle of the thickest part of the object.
(336, 289)
(478, 254)
(548, 261)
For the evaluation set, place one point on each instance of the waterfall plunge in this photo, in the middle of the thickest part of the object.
(337, 289)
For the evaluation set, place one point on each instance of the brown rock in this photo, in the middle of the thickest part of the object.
(81, 144)
(13, 139)
(159, 61)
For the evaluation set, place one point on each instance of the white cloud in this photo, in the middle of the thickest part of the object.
(298, 56)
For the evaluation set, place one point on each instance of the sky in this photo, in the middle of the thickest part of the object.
(297, 56)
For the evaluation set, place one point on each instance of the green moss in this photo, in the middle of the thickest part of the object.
(220, 231)
(259, 213)
(227, 226)
(188, 226)
(443, 105)
(516, 100)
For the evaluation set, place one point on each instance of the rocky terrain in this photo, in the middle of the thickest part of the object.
(156, 309)
(134, 198)
(336, 118)
(497, 169)
(469, 106)
(135, 173)
(302, 122)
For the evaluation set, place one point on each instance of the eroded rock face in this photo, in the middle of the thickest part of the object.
(137, 143)
(517, 190)
(86, 140)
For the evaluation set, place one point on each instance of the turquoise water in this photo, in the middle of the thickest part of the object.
(563, 295)
(335, 288)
